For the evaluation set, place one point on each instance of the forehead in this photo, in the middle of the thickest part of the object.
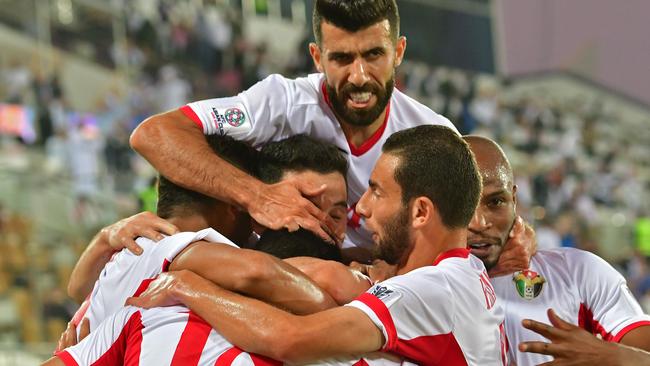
(337, 39)
(494, 172)
(384, 172)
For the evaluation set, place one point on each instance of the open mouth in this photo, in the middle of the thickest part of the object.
(360, 99)
(480, 247)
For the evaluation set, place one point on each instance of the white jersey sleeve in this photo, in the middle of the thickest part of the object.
(256, 115)
(410, 310)
(608, 307)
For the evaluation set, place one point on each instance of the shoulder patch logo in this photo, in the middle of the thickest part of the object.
(528, 283)
(235, 117)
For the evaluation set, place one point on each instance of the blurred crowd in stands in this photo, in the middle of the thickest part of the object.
(577, 168)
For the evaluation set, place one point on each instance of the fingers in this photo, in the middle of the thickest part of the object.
(68, 338)
(538, 347)
(135, 301)
(309, 190)
(542, 329)
(84, 329)
(517, 227)
(131, 245)
(311, 225)
(559, 322)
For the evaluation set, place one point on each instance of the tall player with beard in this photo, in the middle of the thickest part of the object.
(351, 103)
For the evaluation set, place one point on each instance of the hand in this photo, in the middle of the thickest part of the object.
(161, 291)
(123, 233)
(518, 250)
(69, 336)
(378, 271)
(570, 344)
(286, 205)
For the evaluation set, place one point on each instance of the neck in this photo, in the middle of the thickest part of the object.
(357, 135)
(428, 246)
(189, 223)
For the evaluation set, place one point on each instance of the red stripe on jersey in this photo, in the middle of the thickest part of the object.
(118, 354)
(587, 322)
(380, 309)
(66, 358)
(441, 349)
(143, 286)
(452, 253)
(361, 362)
(372, 140)
(190, 346)
(166, 264)
(189, 112)
(134, 341)
(617, 338)
(226, 358)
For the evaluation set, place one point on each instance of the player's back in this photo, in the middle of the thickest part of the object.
(128, 275)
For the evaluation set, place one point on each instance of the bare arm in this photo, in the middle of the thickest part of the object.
(174, 145)
(108, 240)
(255, 274)
(261, 328)
(343, 283)
(54, 361)
(638, 338)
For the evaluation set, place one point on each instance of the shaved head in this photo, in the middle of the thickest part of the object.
(492, 161)
(495, 215)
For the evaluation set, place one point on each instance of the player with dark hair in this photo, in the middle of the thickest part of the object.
(581, 287)
(351, 103)
(439, 309)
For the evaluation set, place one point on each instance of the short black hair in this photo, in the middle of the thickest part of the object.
(355, 15)
(299, 153)
(301, 243)
(437, 163)
(174, 200)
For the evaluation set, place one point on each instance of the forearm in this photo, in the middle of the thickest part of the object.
(255, 274)
(629, 356)
(90, 265)
(178, 150)
(260, 328)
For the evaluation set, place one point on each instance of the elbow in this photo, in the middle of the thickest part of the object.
(146, 135)
(75, 292)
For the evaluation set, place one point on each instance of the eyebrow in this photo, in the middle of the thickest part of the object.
(341, 204)
(372, 184)
(365, 53)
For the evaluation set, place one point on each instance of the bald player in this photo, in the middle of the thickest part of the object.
(581, 287)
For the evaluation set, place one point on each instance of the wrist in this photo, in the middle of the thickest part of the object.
(102, 242)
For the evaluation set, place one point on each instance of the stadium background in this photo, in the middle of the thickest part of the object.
(563, 86)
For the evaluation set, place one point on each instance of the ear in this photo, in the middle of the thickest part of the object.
(400, 49)
(314, 51)
(514, 195)
(422, 212)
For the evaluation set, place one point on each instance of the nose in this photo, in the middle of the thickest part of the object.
(359, 73)
(479, 221)
(362, 206)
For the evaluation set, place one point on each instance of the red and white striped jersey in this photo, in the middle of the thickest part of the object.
(174, 336)
(582, 288)
(445, 314)
(129, 275)
(277, 107)
(158, 336)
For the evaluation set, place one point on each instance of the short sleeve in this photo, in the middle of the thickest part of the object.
(409, 307)
(111, 337)
(608, 307)
(256, 115)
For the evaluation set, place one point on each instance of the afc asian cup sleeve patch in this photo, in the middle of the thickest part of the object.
(232, 120)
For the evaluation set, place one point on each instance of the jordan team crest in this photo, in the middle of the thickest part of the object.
(528, 283)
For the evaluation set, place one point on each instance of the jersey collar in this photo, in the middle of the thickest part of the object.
(452, 253)
(372, 140)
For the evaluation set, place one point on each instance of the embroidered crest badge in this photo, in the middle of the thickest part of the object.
(528, 283)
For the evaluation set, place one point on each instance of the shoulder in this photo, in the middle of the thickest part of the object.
(409, 111)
